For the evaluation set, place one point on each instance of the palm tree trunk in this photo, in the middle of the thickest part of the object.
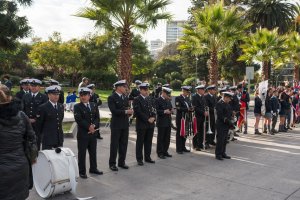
(213, 68)
(125, 60)
(265, 70)
(296, 73)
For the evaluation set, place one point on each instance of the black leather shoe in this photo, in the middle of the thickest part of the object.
(149, 160)
(219, 158)
(198, 149)
(226, 157)
(179, 152)
(113, 168)
(96, 172)
(140, 162)
(161, 156)
(213, 143)
(100, 137)
(84, 176)
(168, 155)
(124, 166)
(185, 150)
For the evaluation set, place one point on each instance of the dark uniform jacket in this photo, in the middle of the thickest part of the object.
(117, 107)
(20, 94)
(49, 123)
(257, 105)
(163, 120)
(246, 99)
(84, 117)
(96, 99)
(143, 110)
(30, 105)
(134, 93)
(181, 107)
(61, 97)
(274, 104)
(224, 115)
(211, 103)
(199, 105)
(268, 104)
(235, 104)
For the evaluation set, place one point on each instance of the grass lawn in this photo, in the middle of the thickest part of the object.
(67, 126)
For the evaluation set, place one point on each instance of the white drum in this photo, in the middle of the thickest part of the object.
(55, 173)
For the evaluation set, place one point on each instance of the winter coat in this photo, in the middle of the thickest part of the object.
(14, 165)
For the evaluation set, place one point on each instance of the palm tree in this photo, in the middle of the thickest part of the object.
(124, 16)
(293, 52)
(215, 32)
(271, 14)
(263, 46)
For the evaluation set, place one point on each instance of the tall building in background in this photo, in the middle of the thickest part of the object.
(174, 31)
(155, 47)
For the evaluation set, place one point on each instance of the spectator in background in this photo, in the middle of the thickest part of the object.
(24, 88)
(68, 102)
(83, 83)
(257, 111)
(73, 98)
(7, 81)
(15, 158)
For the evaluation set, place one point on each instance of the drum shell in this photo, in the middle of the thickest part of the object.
(55, 173)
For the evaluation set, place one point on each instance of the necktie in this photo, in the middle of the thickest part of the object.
(33, 96)
(88, 106)
(55, 107)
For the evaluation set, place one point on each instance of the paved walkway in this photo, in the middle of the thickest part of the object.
(262, 168)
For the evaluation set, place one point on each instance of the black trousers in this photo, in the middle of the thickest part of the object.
(222, 134)
(90, 144)
(163, 140)
(180, 141)
(144, 139)
(118, 143)
(198, 138)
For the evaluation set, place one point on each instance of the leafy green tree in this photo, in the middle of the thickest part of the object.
(292, 53)
(216, 31)
(124, 16)
(12, 27)
(272, 13)
(58, 57)
(263, 46)
(167, 65)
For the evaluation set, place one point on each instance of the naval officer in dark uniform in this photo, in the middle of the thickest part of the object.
(87, 117)
(183, 107)
(164, 111)
(49, 119)
(119, 126)
(24, 84)
(61, 99)
(31, 101)
(224, 123)
(145, 122)
(198, 101)
(95, 98)
(211, 101)
(135, 92)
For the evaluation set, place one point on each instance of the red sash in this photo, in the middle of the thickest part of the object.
(182, 127)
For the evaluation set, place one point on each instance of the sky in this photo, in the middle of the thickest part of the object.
(47, 16)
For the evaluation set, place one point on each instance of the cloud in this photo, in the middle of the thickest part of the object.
(47, 16)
